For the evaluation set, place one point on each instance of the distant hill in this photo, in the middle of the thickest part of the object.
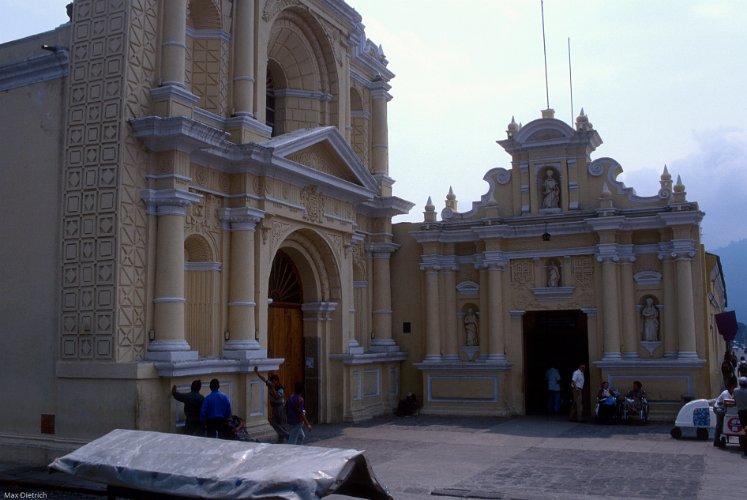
(734, 263)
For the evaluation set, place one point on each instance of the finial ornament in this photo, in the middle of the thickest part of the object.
(512, 128)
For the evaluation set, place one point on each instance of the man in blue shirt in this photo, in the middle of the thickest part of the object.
(216, 408)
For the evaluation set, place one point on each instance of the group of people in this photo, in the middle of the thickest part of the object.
(211, 415)
(731, 368)
(736, 389)
(610, 401)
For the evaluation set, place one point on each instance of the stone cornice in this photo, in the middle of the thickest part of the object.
(176, 133)
(46, 67)
(385, 206)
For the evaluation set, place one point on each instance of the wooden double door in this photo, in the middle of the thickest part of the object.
(285, 324)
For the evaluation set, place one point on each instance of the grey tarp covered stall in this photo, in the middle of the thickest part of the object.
(198, 467)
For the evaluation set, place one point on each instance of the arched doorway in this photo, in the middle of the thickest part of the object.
(557, 338)
(285, 320)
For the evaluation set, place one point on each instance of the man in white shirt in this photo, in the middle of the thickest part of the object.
(577, 388)
(720, 410)
(552, 376)
(740, 398)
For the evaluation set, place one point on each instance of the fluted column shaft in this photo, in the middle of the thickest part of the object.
(669, 330)
(382, 298)
(685, 312)
(432, 320)
(629, 323)
(174, 42)
(452, 330)
(611, 310)
(496, 340)
(243, 78)
(484, 308)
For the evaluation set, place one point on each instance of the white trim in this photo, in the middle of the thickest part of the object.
(169, 300)
(203, 266)
(242, 303)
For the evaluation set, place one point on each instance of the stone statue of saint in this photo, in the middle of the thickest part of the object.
(650, 321)
(470, 328)
(553, 276)
(550, 191)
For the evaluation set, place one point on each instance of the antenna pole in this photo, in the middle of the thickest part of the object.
(544, 49)
(570, 77)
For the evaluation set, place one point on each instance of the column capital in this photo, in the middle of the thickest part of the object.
(241, 219)
(381, 250)
(168, 201)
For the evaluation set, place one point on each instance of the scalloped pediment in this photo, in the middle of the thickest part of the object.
(323, 158)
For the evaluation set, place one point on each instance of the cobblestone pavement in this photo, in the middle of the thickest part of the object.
(537, 458)
(524, 458)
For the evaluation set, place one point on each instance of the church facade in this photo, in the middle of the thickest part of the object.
(193, 189)
(202, 188)
(558, 264)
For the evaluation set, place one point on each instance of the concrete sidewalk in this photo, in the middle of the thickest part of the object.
(522, 458)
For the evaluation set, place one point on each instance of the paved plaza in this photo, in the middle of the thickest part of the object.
(517, 458)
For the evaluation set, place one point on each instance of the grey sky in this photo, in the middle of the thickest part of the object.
(662, 81)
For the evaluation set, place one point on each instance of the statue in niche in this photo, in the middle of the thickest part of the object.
(553, 275)
(550, 191)
(470, 328)
(650, 321)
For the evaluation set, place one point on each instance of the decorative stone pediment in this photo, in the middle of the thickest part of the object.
(323, 158)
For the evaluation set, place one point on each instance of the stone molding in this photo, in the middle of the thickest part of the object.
(34, 70)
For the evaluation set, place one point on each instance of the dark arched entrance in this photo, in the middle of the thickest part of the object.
(285, 320)
(556, 338)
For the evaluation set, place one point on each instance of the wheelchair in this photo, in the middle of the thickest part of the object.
(631, 411)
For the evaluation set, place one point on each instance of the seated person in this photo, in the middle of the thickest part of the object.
(634, 399)
(720, 409)
(607, 401)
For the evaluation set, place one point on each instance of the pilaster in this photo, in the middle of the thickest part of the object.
(496, 340)
(610, 301)
(432, 319)
(451, 330)
(685, 312)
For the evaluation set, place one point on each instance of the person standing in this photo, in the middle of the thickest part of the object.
(552, 377)
(719, 408)
(297, 416)
(740, 398)
(215, 410)
(192, 405)
(577, 389)
(276, 395)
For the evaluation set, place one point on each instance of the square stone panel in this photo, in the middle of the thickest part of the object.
(69, 348)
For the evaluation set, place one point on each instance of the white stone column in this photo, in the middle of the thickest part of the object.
(173, 42)
(496, 340)
(170, 342)
(452, 330)
(382, 298)
(243, 53)
(629, 318)
(685, 301)
(242, 343)
(432, 316)
(611, 311)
